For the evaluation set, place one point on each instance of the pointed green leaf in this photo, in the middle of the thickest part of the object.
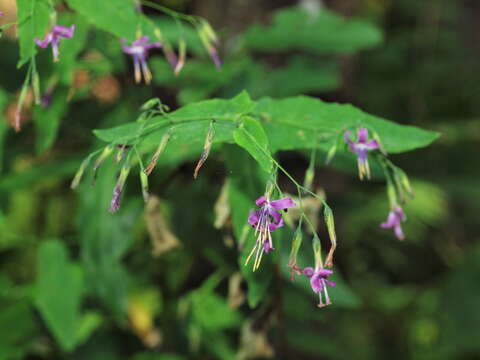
(33, 22)
(251, 136)
(58, 292)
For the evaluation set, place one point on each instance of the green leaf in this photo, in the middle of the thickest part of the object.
(104, 238)
(58, 292)
(251, 136)
(301, 75)
(33, 21)
(210, 311)
(290, 124)
(88, 323)
(18, 329)
(323, 32)
(303, 122)
(118, 17)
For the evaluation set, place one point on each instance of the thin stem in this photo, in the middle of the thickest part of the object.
(176, 15)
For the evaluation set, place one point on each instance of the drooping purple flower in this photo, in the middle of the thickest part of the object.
(1, 13)
(319, 283)
(53, 37)
(395, 217)
(265, 220)
(361, 147)
(139, 51)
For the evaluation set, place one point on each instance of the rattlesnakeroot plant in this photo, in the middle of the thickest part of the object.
(242, 130)
(262, 128)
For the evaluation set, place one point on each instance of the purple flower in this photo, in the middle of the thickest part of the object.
(139, 51)
(361, 147)
(265, 220)
(395, 217)
(1, 13)
(53, 37)
(319, 283)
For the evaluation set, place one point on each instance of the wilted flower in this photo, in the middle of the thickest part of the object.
(118, 189)
(319, 283)
(361, 147)
(182, 53)
(265, 220)
(395, 217)
(139, 51)
(210, 41)
(53, 37)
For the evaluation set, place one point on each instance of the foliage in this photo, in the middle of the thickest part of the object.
(165, 277)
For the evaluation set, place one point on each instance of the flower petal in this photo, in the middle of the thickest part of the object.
(266, 247)
(324, 272)
(372, 145)
(316, 283)
(63, 31)
(400, 213)
(308, 271)
(398, 232)
(275, 215)
(362, 135)
(330, 283)
(391, 221)
(273, 227)
(260, 201)
(253, 218)
(284, 203)
(45, 42)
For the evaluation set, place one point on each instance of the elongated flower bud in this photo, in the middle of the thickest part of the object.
(121, 152)
(101, 158)
(296, 243)
(144, 182)
(329, 221)
(79, 174)
(18, 113)
(161, 147)
(182, 53)
(36, 87)
(317, 252)
(206, 149)
(118, 189)
(209, 40)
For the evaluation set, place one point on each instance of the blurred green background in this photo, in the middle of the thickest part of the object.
(163, 283)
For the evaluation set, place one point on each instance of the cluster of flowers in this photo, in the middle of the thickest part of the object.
(139, 49)
(268, 218)
(361, 146)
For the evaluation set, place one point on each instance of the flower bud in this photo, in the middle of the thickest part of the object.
(79, 174)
